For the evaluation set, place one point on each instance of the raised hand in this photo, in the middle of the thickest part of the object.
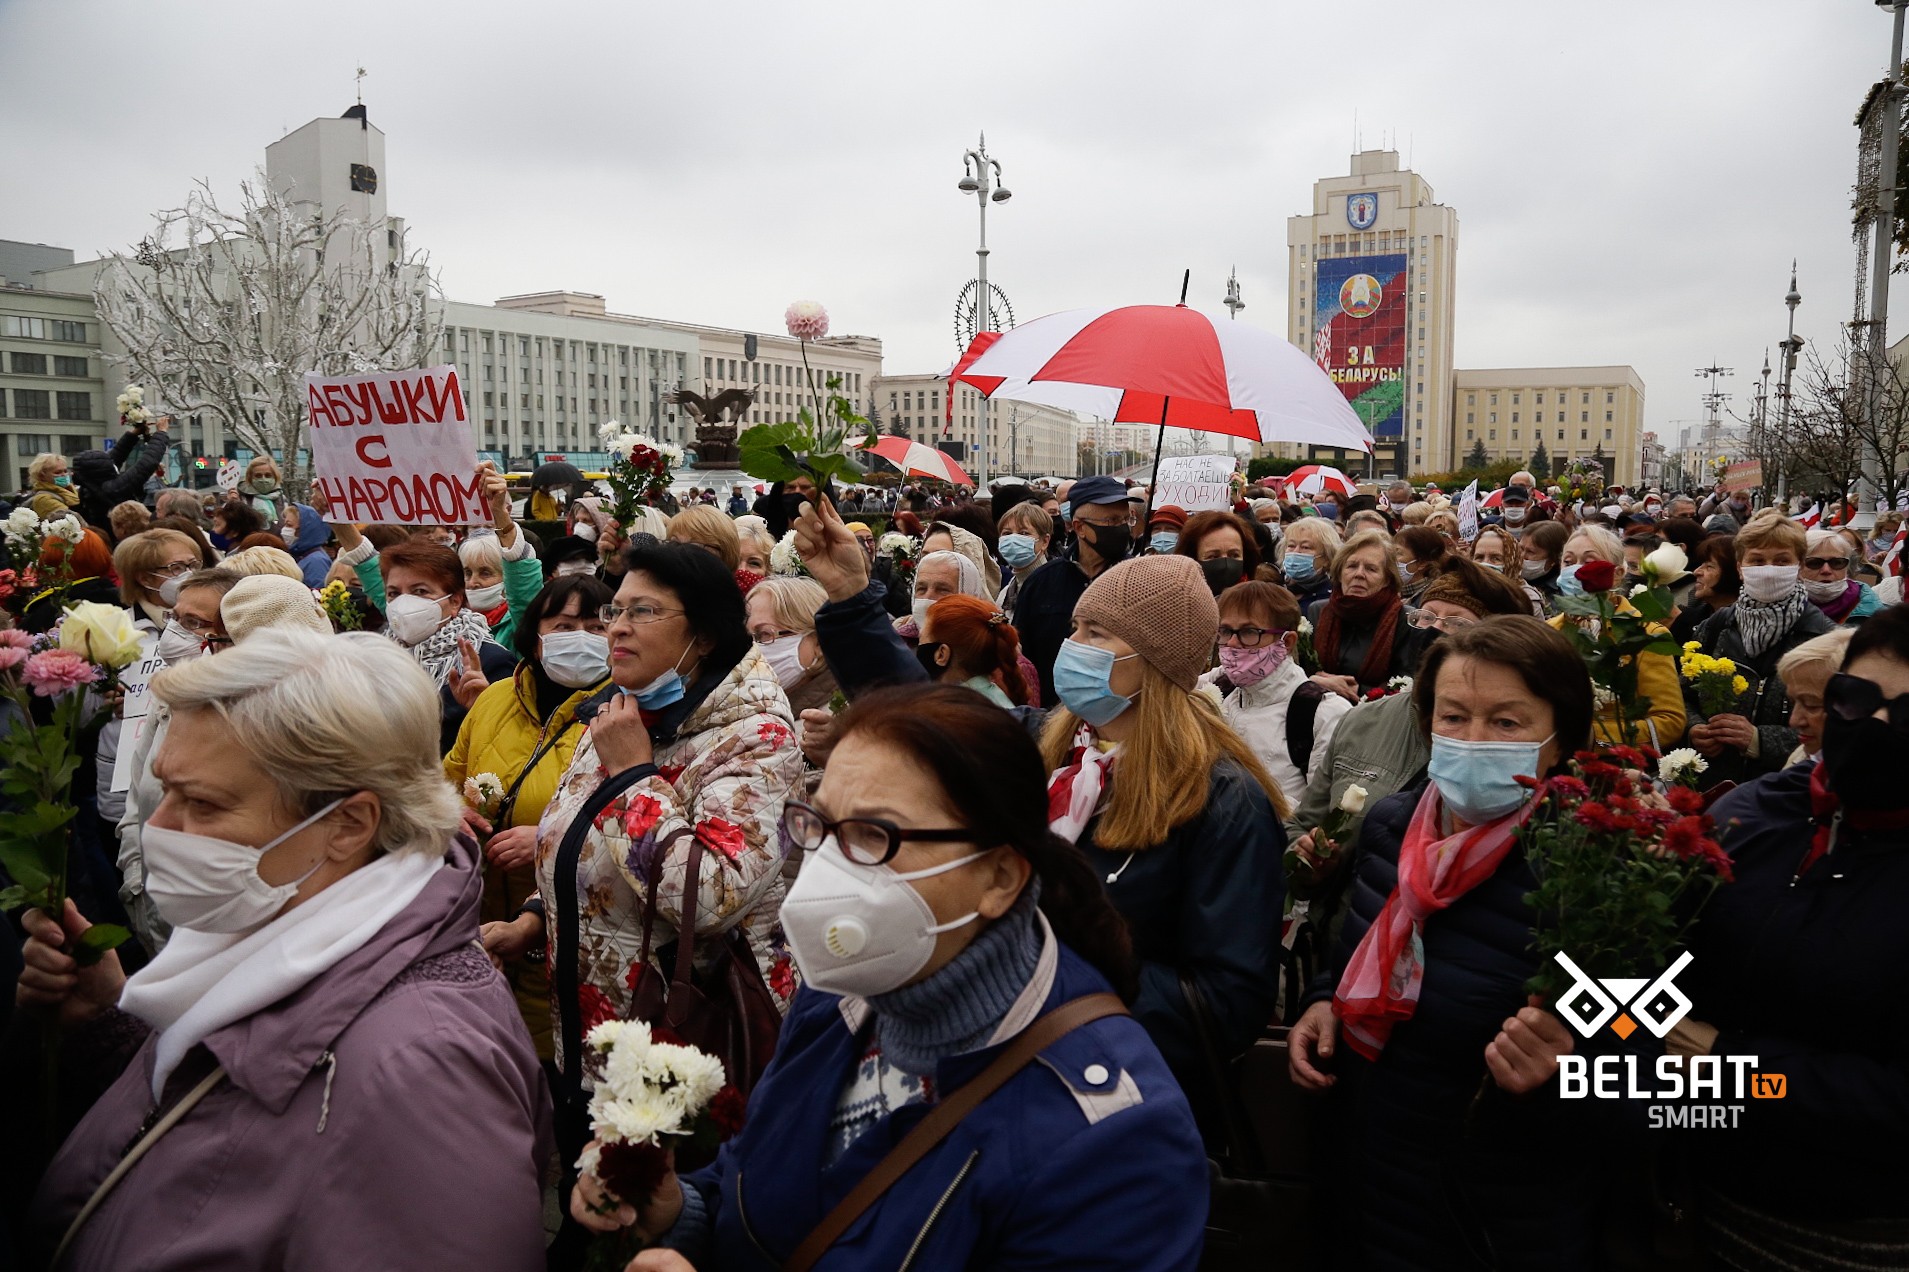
(467, 678)
(830, 551)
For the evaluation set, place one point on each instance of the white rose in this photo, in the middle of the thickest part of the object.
(1666, 563)
(1353, 801)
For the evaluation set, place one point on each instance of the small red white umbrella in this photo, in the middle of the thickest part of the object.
(1493, 500)
(1316, 479)
(917, 460)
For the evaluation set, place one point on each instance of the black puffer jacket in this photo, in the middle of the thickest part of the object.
(105, 480)
(1766, 705)
(1438, 1166)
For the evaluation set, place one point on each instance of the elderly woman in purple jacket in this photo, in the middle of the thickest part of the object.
(321, 1069)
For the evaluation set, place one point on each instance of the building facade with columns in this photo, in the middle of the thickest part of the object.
(1575, 412)
(1024, 438)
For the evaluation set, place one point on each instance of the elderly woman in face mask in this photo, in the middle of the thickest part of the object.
(940, 574)
(782, 623)
(321, 1013)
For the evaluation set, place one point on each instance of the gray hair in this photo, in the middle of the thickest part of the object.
(1822, 655)
(326, 716)
(481, 549)
(1605, 546)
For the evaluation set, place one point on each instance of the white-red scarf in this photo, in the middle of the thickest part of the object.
(1381, 982)
(1076, 790)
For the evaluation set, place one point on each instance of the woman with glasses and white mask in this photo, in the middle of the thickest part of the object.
(1844, 599)
(782, 623)
(688, 757)
(150, 566)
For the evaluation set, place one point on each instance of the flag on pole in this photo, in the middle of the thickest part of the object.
(1468, 512)
(1811, 516)
(1892, 559)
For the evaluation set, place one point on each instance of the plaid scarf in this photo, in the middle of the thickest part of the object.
(438, 653)
(1762, 624)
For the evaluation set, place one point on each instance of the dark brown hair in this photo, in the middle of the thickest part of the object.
(1201, 524)
(262, 539)
(1549, 535)
(239, 519)
(1279, 606)
(1543, 658)
(554, 598)
(1720, 550)
(1427, 546)
(991, 774)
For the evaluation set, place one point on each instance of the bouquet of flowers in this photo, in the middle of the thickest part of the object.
(131, 405)
(902, 550)
(640, 469)
(28, 540)
(1398, 684)
(816, 442)
(1581, 480)
(1716, 681)
(1612, 633)
(650, 1098)
(336, 600)
(785, 561)
(1623, 866)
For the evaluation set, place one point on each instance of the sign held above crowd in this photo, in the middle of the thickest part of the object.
(395, 447)
(1197, 483)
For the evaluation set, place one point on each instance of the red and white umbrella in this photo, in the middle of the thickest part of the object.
(1168, 366)
(1493, 500)
(917, 460)
(1316, 479)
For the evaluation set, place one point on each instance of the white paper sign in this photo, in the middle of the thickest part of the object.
(1197, 483)
(395, 447)
(1468, 513)
(229, 476)
(136, 680)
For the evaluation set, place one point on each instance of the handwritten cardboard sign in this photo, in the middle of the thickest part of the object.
(136, 680)
(1197, 483)
(395, 447)
(1745, 475)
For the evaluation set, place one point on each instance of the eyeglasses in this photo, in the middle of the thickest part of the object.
(867, 841)
(1826, 563)
(203, 630)
(172, 570)
(638, 614)
(1423, 619)
(1250, 637)
(1854, 698)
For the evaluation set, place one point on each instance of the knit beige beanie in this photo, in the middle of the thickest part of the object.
(1162, 607)
(267, 600)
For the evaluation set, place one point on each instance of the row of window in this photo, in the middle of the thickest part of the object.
(37, 363)
(1584, 434)
(743, 371)
(1584, 396)
(41, 404)
(1491, 417)
(1375, 242)
(42, 329)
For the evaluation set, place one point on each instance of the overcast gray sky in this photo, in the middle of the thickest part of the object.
(1631, 178)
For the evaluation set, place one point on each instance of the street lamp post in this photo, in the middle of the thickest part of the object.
(1881, 256)
(1791, 346)
(981, 177)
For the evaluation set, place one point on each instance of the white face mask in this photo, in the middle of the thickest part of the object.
(573, 567)
(169, 591)
(585, 530)
(785, 659)
(1767, 583)
(412, 618)
(576, 660)
(213, 885)
(919, 610)
(1535, 569)
(858, 929)
(177, 645)
(287, 533)
(484, 598)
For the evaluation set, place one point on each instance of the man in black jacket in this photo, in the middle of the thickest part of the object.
(1044, 614)
(105, 480)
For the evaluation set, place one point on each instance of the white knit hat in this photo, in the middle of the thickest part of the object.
(267, 600)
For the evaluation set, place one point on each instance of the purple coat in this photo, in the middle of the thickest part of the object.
(435, 1122)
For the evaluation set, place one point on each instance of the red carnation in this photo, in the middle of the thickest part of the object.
(1685, 837)
(727, 1111)
(1570, 786)
(1596, 816)
(1597, 576)
(1685, 800)
(632, 1172)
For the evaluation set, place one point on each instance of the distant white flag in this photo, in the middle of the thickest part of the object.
(1468, 512)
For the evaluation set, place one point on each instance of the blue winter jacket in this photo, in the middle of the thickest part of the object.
(308, 547)
(1087, 1158)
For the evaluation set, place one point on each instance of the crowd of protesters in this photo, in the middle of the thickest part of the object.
(894, 781)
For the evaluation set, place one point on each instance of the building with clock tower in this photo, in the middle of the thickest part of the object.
(1369, 295)
(333, 164)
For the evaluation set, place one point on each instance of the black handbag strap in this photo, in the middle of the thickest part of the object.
(1242, 1153)
(570, 921)
(509, 802)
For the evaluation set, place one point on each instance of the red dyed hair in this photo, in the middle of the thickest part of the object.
(90, 558)
(980, 639)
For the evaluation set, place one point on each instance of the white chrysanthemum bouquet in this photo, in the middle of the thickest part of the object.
(785, 561)
(483, 792)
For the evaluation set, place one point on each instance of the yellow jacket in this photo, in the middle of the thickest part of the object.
(499, 736)
(1657, 680)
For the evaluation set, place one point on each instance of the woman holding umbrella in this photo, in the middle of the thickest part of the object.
(552, 487)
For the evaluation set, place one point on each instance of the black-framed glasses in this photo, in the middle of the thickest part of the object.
(867, 841)
(1250, 637)
(1829, 563)
(1854, 698)
(636, 613)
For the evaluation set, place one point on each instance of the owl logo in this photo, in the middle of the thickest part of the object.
(1362, 210)
(1360, 296)
(1591, 1003)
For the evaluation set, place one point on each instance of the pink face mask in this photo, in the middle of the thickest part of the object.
(1250, 666)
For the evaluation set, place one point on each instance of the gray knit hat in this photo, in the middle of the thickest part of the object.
(1162, 607)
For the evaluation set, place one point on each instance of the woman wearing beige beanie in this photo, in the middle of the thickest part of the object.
(1172, 809)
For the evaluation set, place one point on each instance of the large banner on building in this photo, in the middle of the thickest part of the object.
(1360, 313)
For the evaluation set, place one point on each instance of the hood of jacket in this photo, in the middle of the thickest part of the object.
(312, 531)
(270, 1053)
(92, 468)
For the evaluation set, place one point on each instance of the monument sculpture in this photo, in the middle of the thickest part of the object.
(717, 419)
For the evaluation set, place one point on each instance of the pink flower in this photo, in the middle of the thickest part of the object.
(807, 320)
(11, 657)
(14, 638)
(57, 671)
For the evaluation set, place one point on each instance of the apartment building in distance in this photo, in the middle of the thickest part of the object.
(1574, 412)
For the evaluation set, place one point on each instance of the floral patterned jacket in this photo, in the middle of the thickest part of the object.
(722, 777)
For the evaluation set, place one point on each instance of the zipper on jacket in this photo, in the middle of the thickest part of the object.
(742, 1216)
(935, 1214)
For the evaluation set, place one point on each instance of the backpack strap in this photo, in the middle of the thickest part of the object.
(1302, 711)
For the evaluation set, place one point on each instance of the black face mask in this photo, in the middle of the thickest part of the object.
(1222, 573)
(925, 654)
(1862, 761)
(1110, 543)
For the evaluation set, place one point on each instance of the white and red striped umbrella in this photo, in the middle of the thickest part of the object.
(917, 460)
(1166, 365)
(1495, 499)
(1314, 479)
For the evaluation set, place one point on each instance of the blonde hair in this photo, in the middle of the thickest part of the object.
(792, 601)
(42, 465)
(700, 524)
(1326, 536)
(748, 537)
(263, 560)
(1823, 652)
(1039, 525)
(146, 551)
(1162, 778)
(1605, 546)
(1443, 520)
(1359, 543)
(1416, 513)
(326, 716)
(1771, 530)
(647, 520)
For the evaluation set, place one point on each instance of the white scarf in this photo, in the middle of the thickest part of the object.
(438, 653)
(203, 981)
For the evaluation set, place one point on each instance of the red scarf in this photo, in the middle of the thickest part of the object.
(1078, 787)
(1381, 982)
(1381, 610)
(1828, 813)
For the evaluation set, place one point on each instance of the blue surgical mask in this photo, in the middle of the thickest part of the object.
(1081, 678)
(1568, 581)
(1479, 780)
(1067, 510)
(1300, 567)
(1405, 572)
(665, 691)
(1164, 542)
(1018, 550)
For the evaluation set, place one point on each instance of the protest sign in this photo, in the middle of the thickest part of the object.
(136, 680)
(1468, 513)
(1196, 483)
(1746, 475)
(229, 476)
(395, 447)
